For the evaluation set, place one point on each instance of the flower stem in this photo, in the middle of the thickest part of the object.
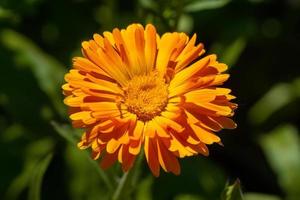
(118, 192)
(129, 177)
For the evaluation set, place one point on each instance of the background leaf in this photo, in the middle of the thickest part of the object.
(144, 191)
(48, 71)
(68, 133)
(199, 5)
(256, 196)
(38, 156)
(275, 99)
(35, 186)
(230, 52)
(282, 149)
(233, 192)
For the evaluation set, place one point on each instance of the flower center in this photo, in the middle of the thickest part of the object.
(146, 96)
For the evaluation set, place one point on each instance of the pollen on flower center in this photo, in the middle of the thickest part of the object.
(146, 96)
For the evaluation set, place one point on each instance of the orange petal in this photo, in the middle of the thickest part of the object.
(186, 58)
(166, 122)
(112, 145)
(225, 122)
(150, 47)
(149, 129)
(151, 156)
(135, 146)
(127, 158)
(161, 132)
(188, 72)
(204, 135)
(165, 48)
(84, 116)
(109, 159)
(166, 159)
(87, 66)
(99, 40)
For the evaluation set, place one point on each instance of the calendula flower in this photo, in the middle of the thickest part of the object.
(133, 89)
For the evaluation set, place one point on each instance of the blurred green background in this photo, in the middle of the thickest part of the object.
(258, 39)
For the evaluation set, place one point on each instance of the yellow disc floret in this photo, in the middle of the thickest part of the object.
(146, 96)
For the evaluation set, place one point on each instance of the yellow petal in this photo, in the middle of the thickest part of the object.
(149, 129)
(204, 135)
(139, 129)
(135, 150)
(165, 48)
(188, 57)
(161, 132)
(112, 145)
(150, 47)
(166, 122)
(84, 116)
(99, 40)
(188, 72)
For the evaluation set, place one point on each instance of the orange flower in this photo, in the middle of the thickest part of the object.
(134, 89)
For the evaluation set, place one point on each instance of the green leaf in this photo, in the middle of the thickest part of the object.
(144, 191)
(83, 181)
(188, 197)
(233, 192)
(199, 5)
(148, 4)
(68, 133)
(275, 99)
(282, 149)
(185, 23)
(6, 14)
(34, 153)
(47, 70)
(37, 178)
(258, 196)
(230, 52)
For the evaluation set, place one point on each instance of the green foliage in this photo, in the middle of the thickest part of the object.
(282, 149)
(229, 52)
(48, 71)
(256, 196)
(199, 5)
(144, 191)
(7, 14)
(188, 197)
(275, 99)
(233, 192)
(37, 178)
(38, 157)
(67, 133)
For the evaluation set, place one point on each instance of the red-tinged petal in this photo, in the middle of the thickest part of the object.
(204, 135)
(166, 159)
(109, 159)
(151, 156)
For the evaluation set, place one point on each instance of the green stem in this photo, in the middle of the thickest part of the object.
(101, 173)
(124, 181)
(127, 178)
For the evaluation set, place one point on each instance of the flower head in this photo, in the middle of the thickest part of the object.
(134, 89)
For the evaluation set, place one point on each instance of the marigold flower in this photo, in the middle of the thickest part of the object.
(134, 89)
